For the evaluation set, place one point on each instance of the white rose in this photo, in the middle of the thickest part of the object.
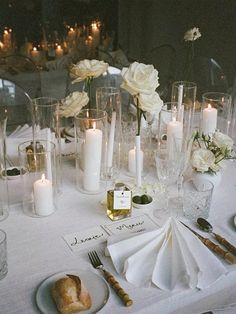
(73, 103)
(87, 68)
(202, 159)
(149, 103)
(192, 34)
(222, 140)
(140, 78)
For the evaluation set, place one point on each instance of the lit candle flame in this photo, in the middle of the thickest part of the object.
(209, 106)
(43, 177)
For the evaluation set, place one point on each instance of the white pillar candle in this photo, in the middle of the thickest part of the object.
(132, 161)
(92, 159)
(110, 149)
(174, 129)
(209, 120)
(43, 197)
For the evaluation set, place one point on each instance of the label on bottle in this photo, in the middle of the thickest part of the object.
(122, 200)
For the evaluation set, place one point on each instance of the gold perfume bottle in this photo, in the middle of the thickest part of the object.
(119, 202)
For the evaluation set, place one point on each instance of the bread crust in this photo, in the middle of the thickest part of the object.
(70, 295)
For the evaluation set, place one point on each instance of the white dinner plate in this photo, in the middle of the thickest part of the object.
(96, 285)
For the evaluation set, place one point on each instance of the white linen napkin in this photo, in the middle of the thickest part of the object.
(23, 131)
(172, 258)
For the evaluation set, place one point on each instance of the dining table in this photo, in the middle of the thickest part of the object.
(37, 249)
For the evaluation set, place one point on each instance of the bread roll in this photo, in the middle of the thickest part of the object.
(71, 295)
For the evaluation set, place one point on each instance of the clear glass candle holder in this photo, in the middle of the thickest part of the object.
(91, 151)
(108, 99)
(46, 126)
(172, 126)
(38, 168)
(4, 201)
(184, 93)
(215, 113)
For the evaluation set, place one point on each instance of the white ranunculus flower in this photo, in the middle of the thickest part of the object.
(222, 140)
(149, 103)
(202, 159)
(140, 78)
(87, 68)
(192, 34)
(73, 103)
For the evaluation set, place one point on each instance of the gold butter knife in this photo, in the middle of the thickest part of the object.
(214, 247)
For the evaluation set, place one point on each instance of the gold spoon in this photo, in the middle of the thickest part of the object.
(206, 226)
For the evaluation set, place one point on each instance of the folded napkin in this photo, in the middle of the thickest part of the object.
(26, 132)
(23, 131)
(171, 258)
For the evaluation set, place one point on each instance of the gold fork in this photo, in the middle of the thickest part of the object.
(96, 262)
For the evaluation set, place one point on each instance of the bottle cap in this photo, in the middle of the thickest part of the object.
(119, 186)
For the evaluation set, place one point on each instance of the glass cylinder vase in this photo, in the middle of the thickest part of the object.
(216, 113)
(4, 202)
(39, 177)
(108, 99)
(91, 150)
(172, 128)
(46, 126)
(184, 93)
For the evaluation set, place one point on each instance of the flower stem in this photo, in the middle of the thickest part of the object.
(139, 116)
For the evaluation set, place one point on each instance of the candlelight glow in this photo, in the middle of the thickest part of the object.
(43, 177)
(94, 125)
(34, 49)
(209, 106)
(94, 26)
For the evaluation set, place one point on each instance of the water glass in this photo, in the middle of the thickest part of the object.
(3, 254)
(197, 197)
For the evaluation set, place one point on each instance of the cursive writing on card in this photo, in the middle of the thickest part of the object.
(131, 225)
(80, 240)
(87, 239)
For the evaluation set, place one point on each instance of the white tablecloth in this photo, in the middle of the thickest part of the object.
(37, 250)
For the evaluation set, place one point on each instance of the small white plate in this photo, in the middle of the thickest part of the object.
(143, 206)
(13, 177)
(96, 285)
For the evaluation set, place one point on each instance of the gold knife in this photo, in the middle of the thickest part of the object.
(214, 247)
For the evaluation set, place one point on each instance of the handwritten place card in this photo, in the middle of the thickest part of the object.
(97, 235)
(80, 240)
(131, 225)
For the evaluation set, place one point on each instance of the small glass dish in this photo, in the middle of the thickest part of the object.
(142, 201)
(12, 173)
